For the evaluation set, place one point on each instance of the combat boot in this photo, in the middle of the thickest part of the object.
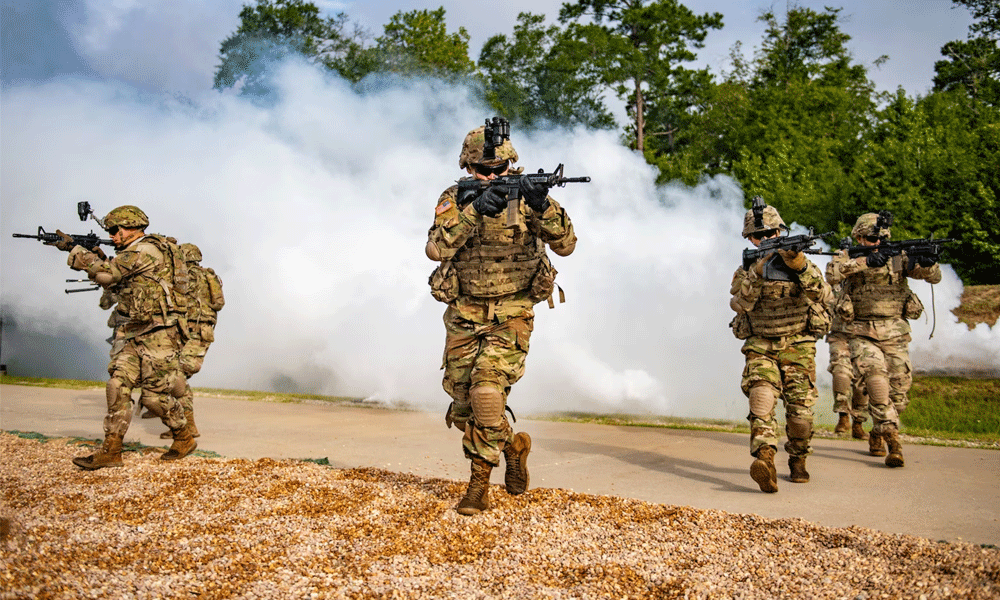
(477, 496)
(895, 458)
(189, 415)
(875, 445)
(183, 445)
(843, 424)
(797, 466)
(763, 472)
(516, 456)
(110, 455)
(858, 431)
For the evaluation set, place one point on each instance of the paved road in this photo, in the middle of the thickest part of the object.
(941, 494)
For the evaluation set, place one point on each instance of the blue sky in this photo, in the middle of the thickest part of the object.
(172, 45)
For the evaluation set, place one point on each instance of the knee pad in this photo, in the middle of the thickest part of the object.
(762, 399)
(841, 383)
(878, 389)
(487, 406)
(799, 428)
(116, 390)
(179, 386)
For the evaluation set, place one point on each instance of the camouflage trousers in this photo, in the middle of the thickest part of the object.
(192, 357)
(788, 366)
(849, 398)
(490, 355)
(887, 358)
(148, 361)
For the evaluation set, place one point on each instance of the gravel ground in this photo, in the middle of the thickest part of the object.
(210, 528)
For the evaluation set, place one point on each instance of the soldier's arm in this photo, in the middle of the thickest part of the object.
(835, 268)
(813, 285)
(556, 229)
(452, 226)
(745, 289)
(931, 274)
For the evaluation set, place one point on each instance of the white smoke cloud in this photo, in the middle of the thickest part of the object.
(315, 213)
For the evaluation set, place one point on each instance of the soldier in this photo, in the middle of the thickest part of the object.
(151, 280)
(875, 305)
(205, 300)
(850, 399)
(493, 270)
(780, 304)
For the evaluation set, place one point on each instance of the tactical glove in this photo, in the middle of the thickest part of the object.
(535, 196)
(877, 259)
(794, 260)
(100, 253)
(491, 202)
(65, 244)
(926, 260)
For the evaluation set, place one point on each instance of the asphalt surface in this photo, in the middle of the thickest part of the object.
(941, 494)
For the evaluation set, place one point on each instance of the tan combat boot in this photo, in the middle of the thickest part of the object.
(858, 431)
(763, 472)
(110, 455)
(516, 456)
(875, 445)
(797, 466)
(895, 458)
(477, 496)
(189, 415)
(843, 424)
(183, 445)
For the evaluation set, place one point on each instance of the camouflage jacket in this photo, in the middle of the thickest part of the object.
(150, 280)
(882, 290)
(503, 253)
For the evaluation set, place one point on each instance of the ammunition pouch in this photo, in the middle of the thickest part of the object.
(444, 282)
(818, 320)
(741, 326)
(912, 307)
(544, 281)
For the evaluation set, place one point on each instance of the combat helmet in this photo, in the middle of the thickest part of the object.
(472, 149)
(873, 224)
(191, 253)
(127, 216)
(761, 217)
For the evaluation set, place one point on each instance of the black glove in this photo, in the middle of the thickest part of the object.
(65, 242)
(535, 196)
(926, 260)
(491, 202)
(877, 259)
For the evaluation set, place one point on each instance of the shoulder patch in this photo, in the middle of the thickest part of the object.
(444, 206)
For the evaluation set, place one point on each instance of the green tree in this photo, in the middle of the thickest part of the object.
(974, 64)
(418, 43)
(273, 29)
(638, 47)
(537, 76)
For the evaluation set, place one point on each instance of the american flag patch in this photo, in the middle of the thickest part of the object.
(443, 206)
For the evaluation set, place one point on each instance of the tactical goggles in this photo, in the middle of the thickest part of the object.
(873, 238)
(114, 229)
(486, 170)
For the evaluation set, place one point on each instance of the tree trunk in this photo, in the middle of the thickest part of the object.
(640, 124)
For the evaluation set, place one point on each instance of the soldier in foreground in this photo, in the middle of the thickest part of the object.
(875, 305)
(150, 280)
(205, 300)
(780, 302)
(493, 270)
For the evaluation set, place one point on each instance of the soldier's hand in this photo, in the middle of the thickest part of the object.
(794, 259)
(877, 259)
(65, 242)
(535, 196)
(100, 253)
(491, 202)
(926, 260)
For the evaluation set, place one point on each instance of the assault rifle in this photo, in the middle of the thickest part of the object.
(509, 186)
(794, 243)
(914, 249)
(87, 240)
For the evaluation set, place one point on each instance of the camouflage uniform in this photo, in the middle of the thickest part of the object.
(849, 394)
(493, 271)
(875, 305)
(205, 300)
(150, 280)
(780, 321)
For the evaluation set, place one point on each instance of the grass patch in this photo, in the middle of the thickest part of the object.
(954, 406)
